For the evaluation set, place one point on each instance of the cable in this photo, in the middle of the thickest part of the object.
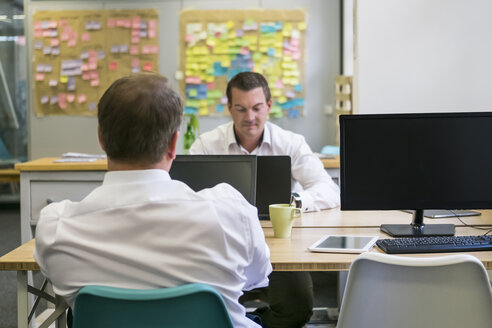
(474, 226)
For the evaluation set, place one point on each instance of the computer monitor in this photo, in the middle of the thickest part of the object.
(206, 171)
(417, 162)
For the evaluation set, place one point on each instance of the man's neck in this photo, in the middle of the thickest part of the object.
(125, 166)
(248, 143)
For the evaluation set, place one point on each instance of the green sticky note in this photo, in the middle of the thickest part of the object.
(193, 92)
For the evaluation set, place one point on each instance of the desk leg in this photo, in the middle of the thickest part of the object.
(22, 304)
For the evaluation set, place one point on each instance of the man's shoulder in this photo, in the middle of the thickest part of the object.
(284, 138)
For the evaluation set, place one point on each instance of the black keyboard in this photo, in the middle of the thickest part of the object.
(436, 244)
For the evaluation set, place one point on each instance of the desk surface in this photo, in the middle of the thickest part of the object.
(47, 164)
(289, 254)
(336, 218)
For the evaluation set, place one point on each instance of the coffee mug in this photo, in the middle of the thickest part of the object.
(282, 216)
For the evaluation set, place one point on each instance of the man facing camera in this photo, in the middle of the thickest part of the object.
(249, 103)
(140, 229)
(289, 294)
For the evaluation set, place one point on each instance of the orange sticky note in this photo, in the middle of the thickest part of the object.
(39, 76)
(113, 66)
(147, 66)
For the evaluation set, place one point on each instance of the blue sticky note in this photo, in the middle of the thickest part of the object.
(271, 52)
(219, 108)
(219, 70)
(278, 26)
(267, 28)
(298, 88)
(190, 110)
(294, 113)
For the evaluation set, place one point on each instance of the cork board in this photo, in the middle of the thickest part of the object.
(215, 45)
(77, 54)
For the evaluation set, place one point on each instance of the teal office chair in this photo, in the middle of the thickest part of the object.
(187, 306)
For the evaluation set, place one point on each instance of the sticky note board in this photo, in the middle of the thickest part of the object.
(215, 45)
(77, 54)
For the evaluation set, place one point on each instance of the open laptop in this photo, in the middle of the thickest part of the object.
(262, 180)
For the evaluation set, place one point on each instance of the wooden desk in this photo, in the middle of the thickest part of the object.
(9, 175)
(336, 218)
(286, 255)
(332, 166)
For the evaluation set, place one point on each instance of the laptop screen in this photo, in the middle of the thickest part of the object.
(206, 171)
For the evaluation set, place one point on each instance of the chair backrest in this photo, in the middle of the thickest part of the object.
(191, 305)
(393, 291)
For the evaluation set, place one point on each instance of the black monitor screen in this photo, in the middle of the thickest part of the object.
(206, 171)
(416, 161)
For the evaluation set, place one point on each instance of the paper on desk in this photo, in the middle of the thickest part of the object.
(82, 155)
(75, 159)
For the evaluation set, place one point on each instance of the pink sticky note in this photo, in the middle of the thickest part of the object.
(111, 23)
(153, 49)
(94, 83)
(136, 22)
(210, 85)
(92, 66)
(55, 42)
(189, 37)
(95, 75)
(136, 39)
(53, 24)
(244, 51)
(86, 36)
(62, 102)
(152, 23)
(84, 67)
(70, 97)
(152, 33)
(62, 23)
(39, 76)
(72, 43)
(279, 84)
(38, 33)
(145, 50)
(38, 25)
(135, 62)
(135, 33)
(86, 76)
(134, 50)
(81, 98)
(147, 66)
(127, 23)
(113, 66)
(46, 34)
(193, 80)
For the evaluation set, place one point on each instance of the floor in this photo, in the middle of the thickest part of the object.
(325, 283)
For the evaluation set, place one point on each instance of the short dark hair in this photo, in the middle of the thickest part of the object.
(246, 81)
(138, 115)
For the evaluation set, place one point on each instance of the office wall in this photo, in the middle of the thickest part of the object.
(423, 56)
(54, 135)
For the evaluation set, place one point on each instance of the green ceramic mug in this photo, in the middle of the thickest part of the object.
(282, 216)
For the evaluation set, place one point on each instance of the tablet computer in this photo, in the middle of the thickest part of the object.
(343, 244)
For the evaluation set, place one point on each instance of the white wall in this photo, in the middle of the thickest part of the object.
(423, 56)
(54, 135)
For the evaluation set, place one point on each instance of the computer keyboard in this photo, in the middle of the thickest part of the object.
(431, 244)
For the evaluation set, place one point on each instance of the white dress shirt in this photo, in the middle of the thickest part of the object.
(141, 229)
(310, 180)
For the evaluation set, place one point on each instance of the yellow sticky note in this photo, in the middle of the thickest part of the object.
(203, 110)
(230, 25)
(301, 26)
(63, 79)
(203, 103)
(276, 92)
(282, 100)
(209, 78)
(226, 63)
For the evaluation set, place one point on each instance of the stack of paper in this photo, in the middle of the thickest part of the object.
(79, 157)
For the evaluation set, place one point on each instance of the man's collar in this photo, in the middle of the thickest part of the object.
(265, 136)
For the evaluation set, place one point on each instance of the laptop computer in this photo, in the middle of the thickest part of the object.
(262, 180)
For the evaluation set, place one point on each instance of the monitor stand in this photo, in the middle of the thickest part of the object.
(417, 228)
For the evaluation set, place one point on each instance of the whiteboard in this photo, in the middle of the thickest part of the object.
(422, 56)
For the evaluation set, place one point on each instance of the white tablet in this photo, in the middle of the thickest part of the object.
(343, 244)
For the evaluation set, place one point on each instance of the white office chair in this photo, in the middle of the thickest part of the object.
(394, 291)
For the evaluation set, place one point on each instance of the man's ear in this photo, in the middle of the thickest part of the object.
(269, 106)
(99, 137)
(171, 148)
